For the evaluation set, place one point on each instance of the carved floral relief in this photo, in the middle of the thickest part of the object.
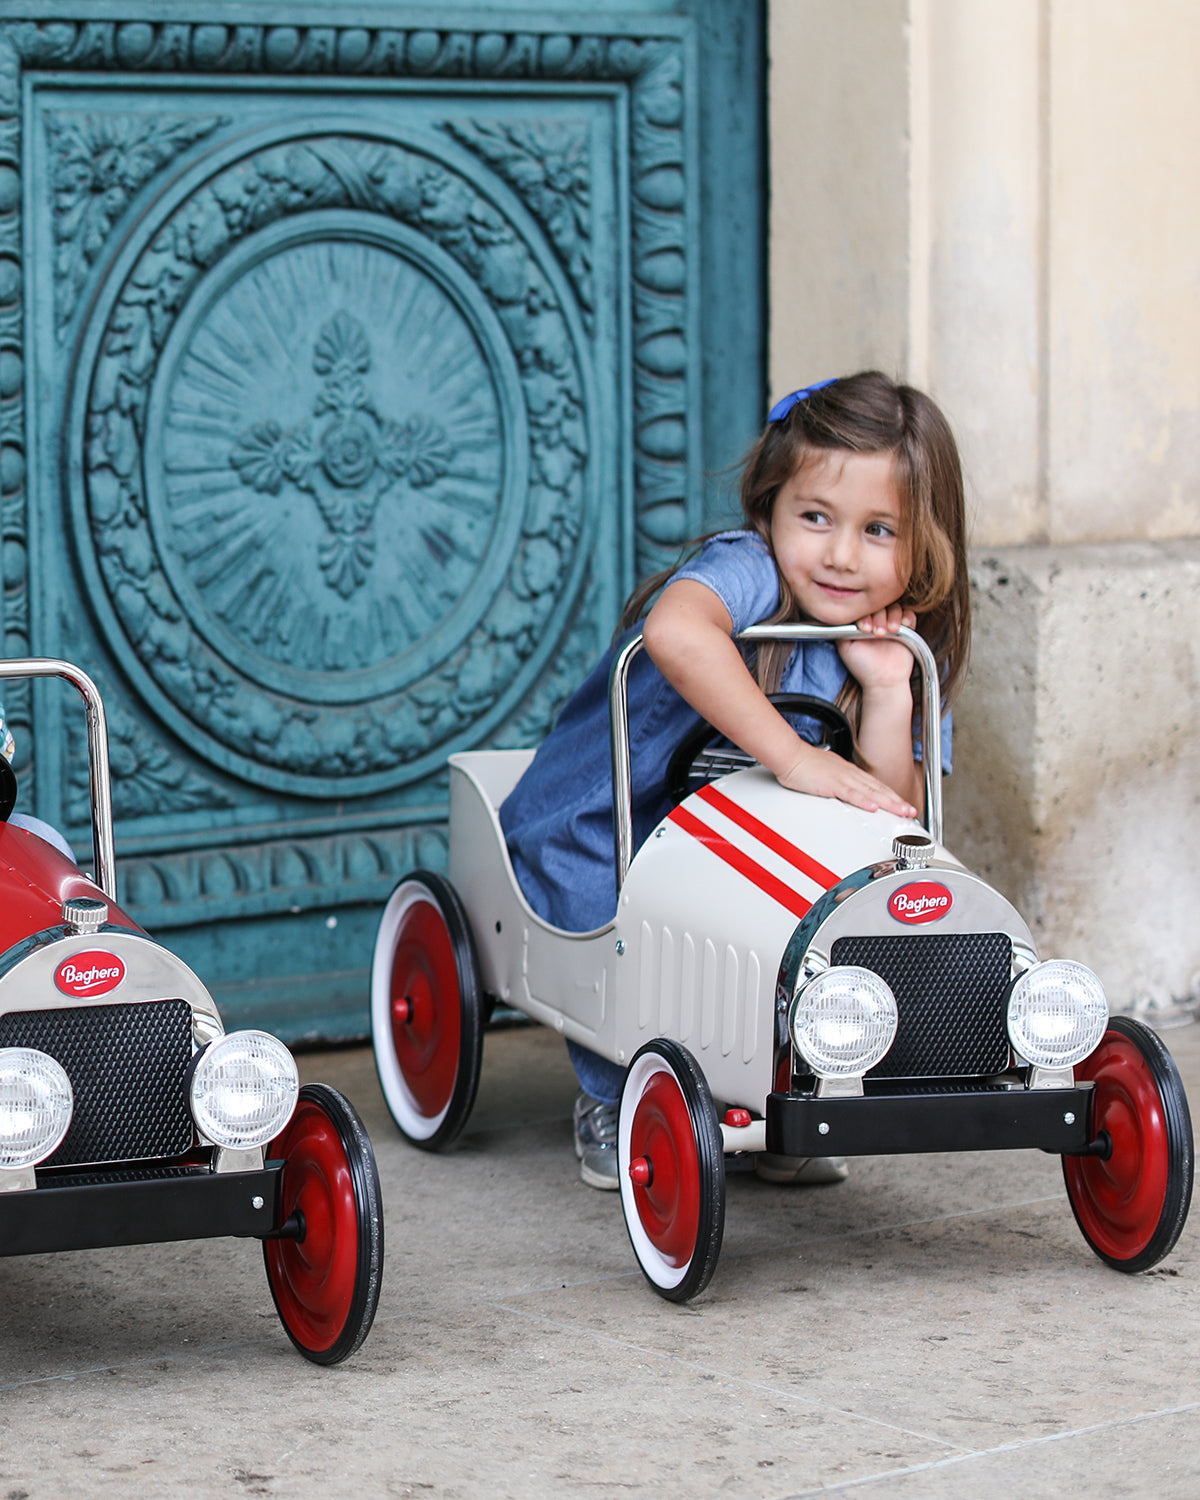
(211, 534)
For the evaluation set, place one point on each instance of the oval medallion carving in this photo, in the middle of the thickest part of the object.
(334, 493)
(335, 483)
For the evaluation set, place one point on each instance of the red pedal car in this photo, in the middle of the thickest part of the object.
(128, 1115)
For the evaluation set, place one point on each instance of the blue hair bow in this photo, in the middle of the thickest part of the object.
(785, 404)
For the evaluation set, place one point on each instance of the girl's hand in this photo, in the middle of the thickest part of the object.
(880, 666)
(824, 774)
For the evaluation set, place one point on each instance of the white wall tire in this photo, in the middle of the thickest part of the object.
(671, 1167)
(426, 1010)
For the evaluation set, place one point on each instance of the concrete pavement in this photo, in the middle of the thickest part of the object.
(932, 1327)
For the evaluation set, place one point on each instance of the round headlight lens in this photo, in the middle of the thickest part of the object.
(244, 1089)
(843, 1021)
(36, 1103)
(1057, 1013)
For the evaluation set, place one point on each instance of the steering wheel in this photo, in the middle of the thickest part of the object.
(703, 754)
(8, 789)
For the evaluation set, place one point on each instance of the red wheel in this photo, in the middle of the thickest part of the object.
(1132, 1203)
(325, 1280)
(671, 1164)
(426, 1010)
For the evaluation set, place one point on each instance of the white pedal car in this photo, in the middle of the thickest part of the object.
(835, 978)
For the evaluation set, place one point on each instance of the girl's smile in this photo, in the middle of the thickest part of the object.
(835, 532)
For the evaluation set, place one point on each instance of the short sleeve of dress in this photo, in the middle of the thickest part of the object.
(741, 572)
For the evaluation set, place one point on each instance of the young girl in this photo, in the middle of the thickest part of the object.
(853, 505)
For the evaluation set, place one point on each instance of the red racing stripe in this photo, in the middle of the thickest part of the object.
(767, 835)
(742, 863)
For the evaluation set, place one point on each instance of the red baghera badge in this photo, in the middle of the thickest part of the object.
(923, 901)
(92, 973)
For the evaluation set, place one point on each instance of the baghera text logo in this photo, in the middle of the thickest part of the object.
(924, 901)
(92, 973)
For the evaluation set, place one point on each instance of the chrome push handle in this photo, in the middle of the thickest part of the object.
(98, 773)
(618, 706)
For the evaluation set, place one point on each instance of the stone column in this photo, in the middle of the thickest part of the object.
(1001, 204)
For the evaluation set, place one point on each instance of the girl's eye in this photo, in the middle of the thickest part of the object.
(814, 517)
(880, 528)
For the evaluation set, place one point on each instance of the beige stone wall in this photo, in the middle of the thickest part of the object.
(1001, 203)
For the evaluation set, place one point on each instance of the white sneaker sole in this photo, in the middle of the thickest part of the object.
(606, 1182)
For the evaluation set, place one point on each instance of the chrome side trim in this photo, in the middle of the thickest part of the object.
(618, 706)
(19, 1181)
(98, 772)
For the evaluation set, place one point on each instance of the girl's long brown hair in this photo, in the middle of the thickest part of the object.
(868, 413)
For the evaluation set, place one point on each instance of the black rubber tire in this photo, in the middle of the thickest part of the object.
(676, 1221)
(1131, 1206)
(429, 1065)
(325, 1284)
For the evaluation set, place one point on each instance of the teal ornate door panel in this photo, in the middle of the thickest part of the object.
(348, 378)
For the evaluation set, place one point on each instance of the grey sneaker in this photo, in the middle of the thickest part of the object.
(596, 1142)
(802, 1169)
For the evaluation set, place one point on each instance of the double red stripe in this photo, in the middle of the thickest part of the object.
(767, 835)
(736, 859)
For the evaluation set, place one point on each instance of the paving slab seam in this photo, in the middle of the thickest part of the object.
(739, 1380)
(1018, 1447)
(175, 1357)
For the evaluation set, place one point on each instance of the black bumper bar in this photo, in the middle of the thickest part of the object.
(1054, 1120)
(135, 1209)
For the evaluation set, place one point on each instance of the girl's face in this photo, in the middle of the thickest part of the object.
(835, 530)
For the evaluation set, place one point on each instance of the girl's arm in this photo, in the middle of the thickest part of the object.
(689, 636)
(884, 673)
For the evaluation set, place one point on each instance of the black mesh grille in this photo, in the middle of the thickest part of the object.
(951, 991)
(127, 1065)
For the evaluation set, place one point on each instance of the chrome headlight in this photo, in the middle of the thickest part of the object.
(36, 1104)
(1057, 1013)
(243, 1089)
(843, 1021)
